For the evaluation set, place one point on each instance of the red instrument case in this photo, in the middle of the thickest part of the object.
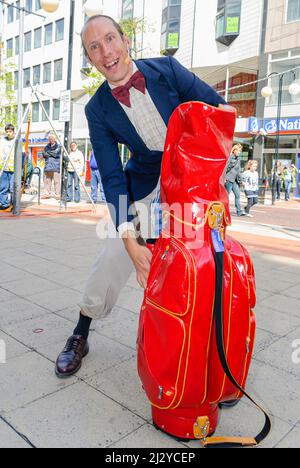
(197, 326)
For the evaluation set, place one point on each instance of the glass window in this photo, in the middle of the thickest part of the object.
(46, 104)
(16, 79)
(9, 48)
(10, 14)
(38, 38)
(27, 42)
(36, 112)
(37, 5)
(18, 11)
(127, 9)
(293, 10)
(28, 6)
(36, 75)
(289, 78)
(58, 70)
(47, 72)
(56, 109)
(60, 29)
(17, 45)
(48, 34)
(26, 80)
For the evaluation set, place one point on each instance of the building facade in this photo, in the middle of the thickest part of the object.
(231, 44)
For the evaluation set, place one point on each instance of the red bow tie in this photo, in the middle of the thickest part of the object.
(121, 93)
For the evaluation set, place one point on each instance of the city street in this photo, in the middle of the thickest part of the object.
(45, 259)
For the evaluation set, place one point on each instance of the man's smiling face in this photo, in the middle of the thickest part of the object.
(108, 51)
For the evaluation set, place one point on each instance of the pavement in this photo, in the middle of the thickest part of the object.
(45, 259)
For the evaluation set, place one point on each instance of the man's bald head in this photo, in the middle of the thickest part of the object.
(95, 19)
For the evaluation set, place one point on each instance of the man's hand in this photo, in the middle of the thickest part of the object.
(227, 107)
(141, 258)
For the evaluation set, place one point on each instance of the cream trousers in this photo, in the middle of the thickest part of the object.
(113, 267)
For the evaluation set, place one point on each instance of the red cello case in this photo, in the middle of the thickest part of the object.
(197, 326)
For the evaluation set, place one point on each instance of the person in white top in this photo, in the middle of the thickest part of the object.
(75, 170)
(250, 181)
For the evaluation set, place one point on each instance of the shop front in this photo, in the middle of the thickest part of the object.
(288, 144)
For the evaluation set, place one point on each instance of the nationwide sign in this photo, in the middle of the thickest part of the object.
(270, 126)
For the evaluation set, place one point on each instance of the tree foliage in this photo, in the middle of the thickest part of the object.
(8, 94)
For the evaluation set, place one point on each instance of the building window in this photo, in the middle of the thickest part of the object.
(127, 9)
(10, 14)
(48, 34)
(38, 38)
(56, 109)
(280, 66)
(37, 5)
(27, 76)
(36, 112)
(18, 11)
(170, 32)
(293, 10)
(47, 72)
(46, 104)
(60, 30)
(58, 70)
(16, 79)
(9, 48)
(36, 75)
(228, 21)
(28, 7)
(17, 45)
(27, 42)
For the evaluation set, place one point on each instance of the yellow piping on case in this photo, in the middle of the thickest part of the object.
(184, 342)
(239, 393)
(208, 216)
(163, 309)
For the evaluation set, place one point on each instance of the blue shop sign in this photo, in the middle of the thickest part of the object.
(290, 125)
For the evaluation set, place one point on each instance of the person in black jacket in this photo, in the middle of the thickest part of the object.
(233, 177)
(52, 155)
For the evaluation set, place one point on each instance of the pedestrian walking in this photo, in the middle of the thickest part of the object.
(75, 170)
(7, 163)
(52, 155)
(295, 173)
(96, 182)
(250, 180)
(233, 177)
(277, 179)
(133, 106)
(287, 178)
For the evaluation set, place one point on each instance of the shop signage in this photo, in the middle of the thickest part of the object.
(286, 125)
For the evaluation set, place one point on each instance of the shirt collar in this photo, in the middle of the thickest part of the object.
(135, 69)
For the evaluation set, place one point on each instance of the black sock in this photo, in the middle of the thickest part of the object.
(83, 326)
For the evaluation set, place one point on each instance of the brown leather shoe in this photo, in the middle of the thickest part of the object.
(70, 360)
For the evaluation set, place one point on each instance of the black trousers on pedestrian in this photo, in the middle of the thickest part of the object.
(251, 202)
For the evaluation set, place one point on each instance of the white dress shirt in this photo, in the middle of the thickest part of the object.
(148, 123)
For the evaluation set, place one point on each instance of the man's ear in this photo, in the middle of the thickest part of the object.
(127, 41)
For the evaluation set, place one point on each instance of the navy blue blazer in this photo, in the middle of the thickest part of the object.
(169, 85)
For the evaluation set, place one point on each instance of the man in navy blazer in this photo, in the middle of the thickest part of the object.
(132, 107)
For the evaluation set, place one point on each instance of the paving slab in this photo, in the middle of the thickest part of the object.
(273, 321)
(121, 325)
(25, 379)
(18, 310)
(10, 439)
(77, 417)
(291, 440)
(123, 385)
(277, 390)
